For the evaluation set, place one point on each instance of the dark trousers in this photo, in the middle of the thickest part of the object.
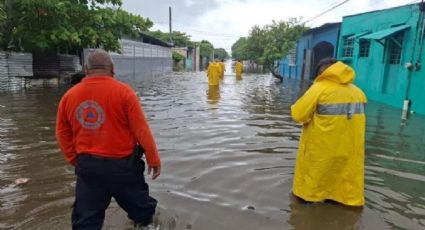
(100, 179)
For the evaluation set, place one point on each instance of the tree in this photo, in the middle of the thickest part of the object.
(180, 39)
(178, 57)
(256, 43)
(281, 38)
(266, 44)
(2, 21)
(67, 26)
(220, 53)
(239, 49)
(206, 49)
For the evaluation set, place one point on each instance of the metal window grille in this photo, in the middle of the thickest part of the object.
(348, 45)
(292, 58)
(364, 48)
(395, 49)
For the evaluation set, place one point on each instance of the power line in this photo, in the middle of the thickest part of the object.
(209, 33)
(327, 11)
(375, 3)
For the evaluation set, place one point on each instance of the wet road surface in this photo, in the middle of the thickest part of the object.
(228, 155)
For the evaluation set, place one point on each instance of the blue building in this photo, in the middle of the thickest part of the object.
(314, 45)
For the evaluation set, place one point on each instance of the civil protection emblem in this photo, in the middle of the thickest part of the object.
(90, 114)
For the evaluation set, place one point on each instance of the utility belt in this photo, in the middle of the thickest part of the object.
(134, 161)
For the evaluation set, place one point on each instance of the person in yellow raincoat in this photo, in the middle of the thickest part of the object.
(330, 159)
(222, 69)
(238, 69)
(213, 74)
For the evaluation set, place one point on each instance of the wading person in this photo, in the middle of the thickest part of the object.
(330, 159)
(213, 74)
(99, 122)
(238, 69)
(222, 69)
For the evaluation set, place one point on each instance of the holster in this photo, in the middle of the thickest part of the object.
(135, 161)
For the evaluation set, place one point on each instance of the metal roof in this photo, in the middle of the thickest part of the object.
(381, 34)
(154, 41)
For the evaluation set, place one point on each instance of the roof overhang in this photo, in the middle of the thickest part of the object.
(379, 35)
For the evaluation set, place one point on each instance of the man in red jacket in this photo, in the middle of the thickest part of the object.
(99, 122)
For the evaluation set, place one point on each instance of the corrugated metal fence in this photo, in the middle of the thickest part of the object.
(20, 64)
(13, 67)
(56, 65)
(15, 64)
(4, 72)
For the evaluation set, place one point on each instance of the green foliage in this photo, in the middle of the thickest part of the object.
(266, 44)
(178, 57)
(206, 49)
(180, 39)
(220, 53)
(67, 26)
(2, 21)
(239, 49)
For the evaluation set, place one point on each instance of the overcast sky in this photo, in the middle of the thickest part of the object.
(222, 22)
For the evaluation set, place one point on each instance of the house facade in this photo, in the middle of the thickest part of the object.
(314, 45)
(385, 48)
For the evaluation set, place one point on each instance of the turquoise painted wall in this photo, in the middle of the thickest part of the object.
(417, 88)
(381, 81)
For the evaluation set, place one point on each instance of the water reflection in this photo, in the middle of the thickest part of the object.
(213, 94)
(329, 216)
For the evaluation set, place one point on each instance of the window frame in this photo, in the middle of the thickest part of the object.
(364, 48)
(348, 46)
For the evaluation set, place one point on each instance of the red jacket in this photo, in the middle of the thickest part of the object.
(103, 116)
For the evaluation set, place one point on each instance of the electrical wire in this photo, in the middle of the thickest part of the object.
(326, 11)
(195, 30)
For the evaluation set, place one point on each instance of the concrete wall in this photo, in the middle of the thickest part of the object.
(139, 61)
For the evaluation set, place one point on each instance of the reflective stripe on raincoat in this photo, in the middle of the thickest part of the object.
(330, 159)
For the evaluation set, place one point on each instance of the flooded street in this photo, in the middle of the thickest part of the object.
(228, 158)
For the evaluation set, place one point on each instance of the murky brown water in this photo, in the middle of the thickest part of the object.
(228, 159)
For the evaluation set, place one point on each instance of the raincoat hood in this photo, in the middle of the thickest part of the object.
(339, 73)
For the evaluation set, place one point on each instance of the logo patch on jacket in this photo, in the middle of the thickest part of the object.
(90, 114)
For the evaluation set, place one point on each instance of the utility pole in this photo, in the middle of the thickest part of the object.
(8, 4)
(171, 28)
(412, 66)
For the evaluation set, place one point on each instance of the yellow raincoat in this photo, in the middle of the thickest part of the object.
(213, 74)
(330, 159)
(222, 69)
(238, 69)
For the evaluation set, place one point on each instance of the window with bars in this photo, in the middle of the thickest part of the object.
(395, 48)
(292, 57)
(348, 46)
(364, 48)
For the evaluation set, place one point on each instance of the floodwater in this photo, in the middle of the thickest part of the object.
(228, 159)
